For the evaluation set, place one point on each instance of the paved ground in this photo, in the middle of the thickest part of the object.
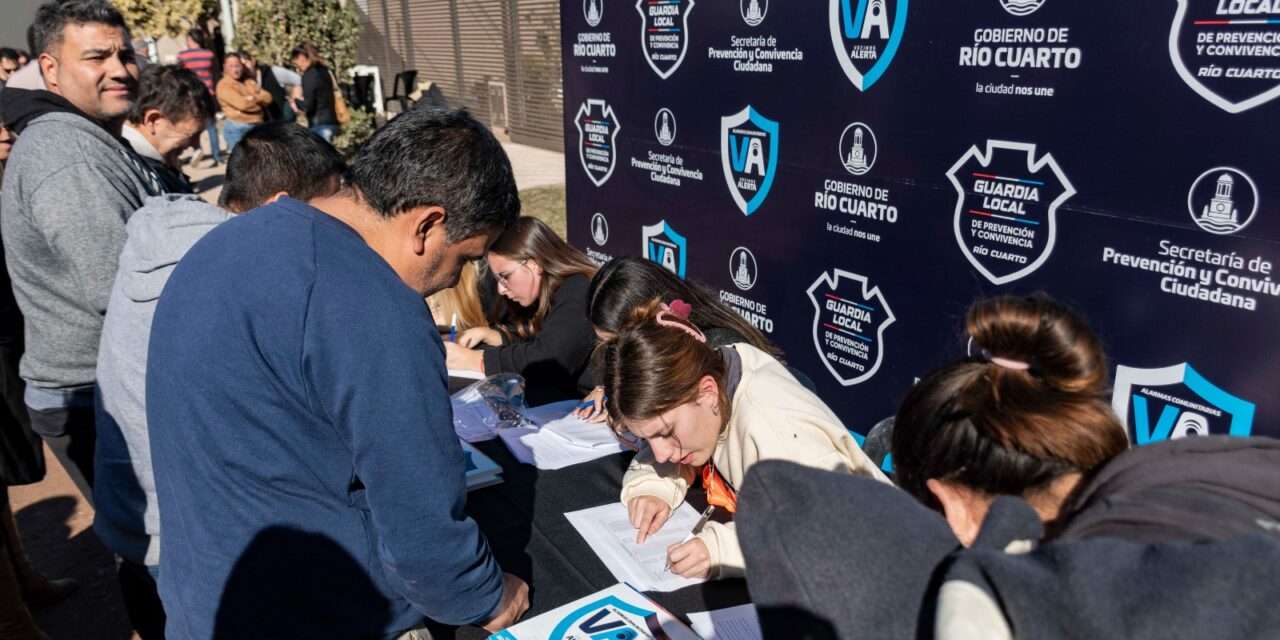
(56, 521)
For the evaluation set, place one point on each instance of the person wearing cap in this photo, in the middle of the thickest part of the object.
(713, 412)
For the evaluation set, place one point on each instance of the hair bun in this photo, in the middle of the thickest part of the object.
(1060, 349)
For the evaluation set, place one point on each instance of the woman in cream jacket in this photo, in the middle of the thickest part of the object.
(709, 412)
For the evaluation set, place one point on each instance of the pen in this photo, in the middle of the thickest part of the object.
(453, 328)
(697, 528)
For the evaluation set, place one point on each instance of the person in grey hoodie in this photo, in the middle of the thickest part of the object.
(70, 186)
(270, 161)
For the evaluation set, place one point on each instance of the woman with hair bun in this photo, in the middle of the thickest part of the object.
(708, 411)
(1027, 416)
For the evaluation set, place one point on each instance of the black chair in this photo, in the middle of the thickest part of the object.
(401, 86)
(362, 93)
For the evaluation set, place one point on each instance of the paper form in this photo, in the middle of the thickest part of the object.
(608, 531)
(734, 623)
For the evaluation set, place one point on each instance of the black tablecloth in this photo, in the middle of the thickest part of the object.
(524, 521)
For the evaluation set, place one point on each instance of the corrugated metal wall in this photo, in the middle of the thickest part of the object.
(499, 58)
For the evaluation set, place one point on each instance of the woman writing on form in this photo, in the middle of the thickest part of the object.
(712, 412)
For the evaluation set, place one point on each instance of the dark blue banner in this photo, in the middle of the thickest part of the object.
(851, 174)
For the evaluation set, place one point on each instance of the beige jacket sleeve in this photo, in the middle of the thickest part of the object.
(645, 477)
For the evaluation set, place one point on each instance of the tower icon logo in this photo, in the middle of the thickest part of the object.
(599, 229)
(1223, 200)
(753, 11)
(664, 127)
(1021, 7)
(593, 11)
(742, 268)
(858, 148)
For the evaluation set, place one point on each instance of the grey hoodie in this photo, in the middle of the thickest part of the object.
(69, 189)
(159, 234)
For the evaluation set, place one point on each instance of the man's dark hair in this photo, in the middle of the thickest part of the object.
(280, 156)
(176, 92)
(7, 53)
(438, 157)
(53, 17)
(199, 36)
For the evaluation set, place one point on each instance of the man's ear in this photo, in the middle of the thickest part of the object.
(151, 116)
(428, 223)
(964, 508)
(48, 70)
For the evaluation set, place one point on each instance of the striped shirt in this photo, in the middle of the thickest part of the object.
(199, 62)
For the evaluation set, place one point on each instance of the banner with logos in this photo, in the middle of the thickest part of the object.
(850, 174)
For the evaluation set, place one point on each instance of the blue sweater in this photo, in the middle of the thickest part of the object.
(310, 483)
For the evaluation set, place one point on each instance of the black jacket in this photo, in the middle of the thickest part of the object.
(317, 96)
(554, 362)
(279, 100)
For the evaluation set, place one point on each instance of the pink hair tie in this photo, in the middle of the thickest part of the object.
(1016, 365)
(681, 309)
(666, 318)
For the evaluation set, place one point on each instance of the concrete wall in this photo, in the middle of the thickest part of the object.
(17, 15)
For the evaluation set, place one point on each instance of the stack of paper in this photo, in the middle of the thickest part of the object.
(559, 443)
(616, 612)
(607, 529)
(734, 623)
(482, 471)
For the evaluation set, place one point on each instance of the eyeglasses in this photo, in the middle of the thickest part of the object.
(504, 278)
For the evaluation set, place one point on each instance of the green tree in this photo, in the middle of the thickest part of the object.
(159, 18)
(269, 29)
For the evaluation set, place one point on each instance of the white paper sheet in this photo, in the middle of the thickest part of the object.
(564, 440)
(608, 531)
(466, 373)
(734, 623)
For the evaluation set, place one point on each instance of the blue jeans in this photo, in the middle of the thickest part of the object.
(233, 131)
(212, 130)
(326, 131)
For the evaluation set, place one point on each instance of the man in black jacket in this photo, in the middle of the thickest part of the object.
(317, 92)
(172, 110)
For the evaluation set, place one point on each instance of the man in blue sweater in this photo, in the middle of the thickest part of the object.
(310, 483)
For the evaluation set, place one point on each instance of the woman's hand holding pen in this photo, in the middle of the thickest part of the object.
(690, 559)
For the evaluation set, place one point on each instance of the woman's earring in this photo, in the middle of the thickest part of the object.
(715, 410)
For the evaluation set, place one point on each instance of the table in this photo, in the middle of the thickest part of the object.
(524, 521)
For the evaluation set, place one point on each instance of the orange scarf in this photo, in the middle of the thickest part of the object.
(719, 493)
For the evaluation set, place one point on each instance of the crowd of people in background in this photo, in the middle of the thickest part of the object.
(252, 393)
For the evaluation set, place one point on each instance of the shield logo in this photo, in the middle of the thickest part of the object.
(598, 130)
(849, 319)
(866, 37)
(608, 617)
(1175, 402)
(1006, 208)
(664, 33)
(749, 153)
(1233, 83)
(665, 247)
